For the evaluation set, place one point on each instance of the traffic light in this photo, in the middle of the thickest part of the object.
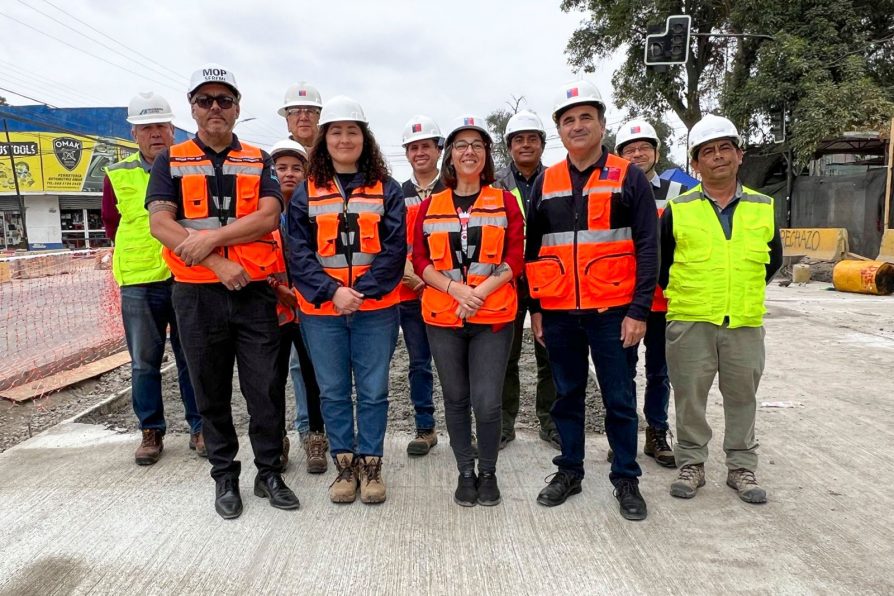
(670, 46)
(777, 124)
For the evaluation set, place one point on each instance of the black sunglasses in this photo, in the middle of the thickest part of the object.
(206, 101)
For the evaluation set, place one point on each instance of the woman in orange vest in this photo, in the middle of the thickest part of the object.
(467, 246)
(347, 249)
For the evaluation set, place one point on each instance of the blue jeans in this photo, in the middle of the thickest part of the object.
(359, 346)
(569, 338)
(302, 421)
(657, 383)
(147, 310)
(421, 377)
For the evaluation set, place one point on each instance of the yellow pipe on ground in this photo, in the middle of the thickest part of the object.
(863, 277)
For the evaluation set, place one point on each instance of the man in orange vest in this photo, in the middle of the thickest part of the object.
(592, 253)
(214, 203)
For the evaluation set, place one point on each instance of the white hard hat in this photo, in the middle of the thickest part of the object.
(524, 121)
(468, 122)
(287, 146)
(712, 128)
(341, 108)
(574, 93)
(149, 108)
(213, 73)
(421, 127)
(301, 93)
(635, 130)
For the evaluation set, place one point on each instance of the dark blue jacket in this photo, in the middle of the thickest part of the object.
(387, 268)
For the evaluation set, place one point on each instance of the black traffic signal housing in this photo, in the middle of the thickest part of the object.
(670, 46)
(777, 124)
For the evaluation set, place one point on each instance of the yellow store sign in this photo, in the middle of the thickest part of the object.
(57, 163)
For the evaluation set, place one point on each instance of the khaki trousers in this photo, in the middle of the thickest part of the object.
(696, 352)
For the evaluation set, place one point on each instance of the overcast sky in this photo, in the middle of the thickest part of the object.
(397, 58)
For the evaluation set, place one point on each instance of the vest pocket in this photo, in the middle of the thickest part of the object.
(439, 251)
(547, 278)
(194, 196)
(439, 308)
(327, 234)
(611, 276)
(248, 189)
(492, 244)
(369, 232)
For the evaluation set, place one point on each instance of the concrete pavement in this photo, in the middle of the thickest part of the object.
(77, 517)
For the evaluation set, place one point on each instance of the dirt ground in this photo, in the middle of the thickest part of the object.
(19, 422)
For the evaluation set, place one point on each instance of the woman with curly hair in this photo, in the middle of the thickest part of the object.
(347, 248)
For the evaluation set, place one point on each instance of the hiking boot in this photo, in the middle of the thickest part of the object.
(197, 444)
(372, 487)
(273, 487)
(656, 446)
(284, 458)
(426, 438)
(316, 445)
(744, 482)
(630, 501)
(560, 487)
(228, 501)
(551, 437)
(344, 488)
(466, 489)
(506, 439)
(150, 448)
(690, 479)
(488, 491)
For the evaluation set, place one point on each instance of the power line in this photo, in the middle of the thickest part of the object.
(53, 83)
(125, 69)
(27, 97)
(109, 37)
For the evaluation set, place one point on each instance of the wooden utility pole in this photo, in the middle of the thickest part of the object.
(889, 167)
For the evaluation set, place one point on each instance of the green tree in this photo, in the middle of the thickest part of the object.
(824, 51)
(496, 122)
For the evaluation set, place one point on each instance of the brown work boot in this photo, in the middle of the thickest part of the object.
(344, 488)
(690, 479)
(746, 485)
(197, 444)
(656, 446)
(316, 446)
(150, 448)
(426, 438)
(284, 458)
(372, 487)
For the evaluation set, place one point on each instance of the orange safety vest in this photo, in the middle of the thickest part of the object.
(486, 235)
(240, 178)
(348, 239)
(284, 314)
(412, 204)
(659, 302)
(583, 264)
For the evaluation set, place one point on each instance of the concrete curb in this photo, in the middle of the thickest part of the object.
(110, 403)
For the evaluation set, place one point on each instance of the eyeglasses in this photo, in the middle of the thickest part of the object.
(461, 146)
(303, 112)
(225, 102)
(637, 148)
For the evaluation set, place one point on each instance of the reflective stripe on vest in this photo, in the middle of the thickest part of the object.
(711, 277)
(284, 314)
(486, 236)
(348, 235)
(193, 172)
(137, 258)
(583, 264)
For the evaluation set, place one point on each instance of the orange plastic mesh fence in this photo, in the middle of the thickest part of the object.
(57, 311)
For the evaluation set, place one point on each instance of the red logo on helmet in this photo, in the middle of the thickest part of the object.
(634, 129)
(417, 128)
(571, 92)
(302, 93)
(468, 122)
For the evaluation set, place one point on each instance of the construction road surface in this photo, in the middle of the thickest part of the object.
(78, 517)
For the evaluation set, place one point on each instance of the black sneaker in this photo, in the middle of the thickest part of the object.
(560, 487)
(488, 491)
(466, 489)
(632, 504)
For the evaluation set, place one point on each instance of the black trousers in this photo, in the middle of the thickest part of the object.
(218, 328)
(291, 336)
